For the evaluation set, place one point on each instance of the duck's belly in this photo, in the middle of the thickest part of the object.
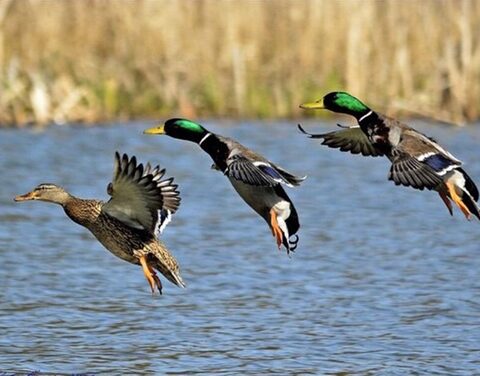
(123, 243)
(121, 240)
(262, 199)
(119, 249)
(457, 179)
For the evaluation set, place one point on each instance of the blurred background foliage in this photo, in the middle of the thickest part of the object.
(102, 60)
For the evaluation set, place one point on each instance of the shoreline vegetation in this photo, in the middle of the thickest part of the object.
(102, 60)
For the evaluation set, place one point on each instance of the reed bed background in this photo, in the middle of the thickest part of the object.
(100, 60)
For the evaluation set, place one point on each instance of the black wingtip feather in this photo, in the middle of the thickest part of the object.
(150, 177)
(303, 131)
(311, 135)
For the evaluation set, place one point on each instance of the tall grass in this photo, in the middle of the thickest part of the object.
(95, 60)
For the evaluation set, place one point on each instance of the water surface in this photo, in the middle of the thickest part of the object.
(384, 281)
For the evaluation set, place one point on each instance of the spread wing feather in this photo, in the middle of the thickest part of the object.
(259, 173)
(409, 171)
(139, 196)
(289, 177)
(352, 140)
(241, 168)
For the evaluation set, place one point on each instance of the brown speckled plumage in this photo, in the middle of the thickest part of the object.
(123, 241)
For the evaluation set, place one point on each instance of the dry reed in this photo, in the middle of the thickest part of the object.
(92, 60)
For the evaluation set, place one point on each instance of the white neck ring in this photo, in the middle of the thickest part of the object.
(204, 138)
(365, 116)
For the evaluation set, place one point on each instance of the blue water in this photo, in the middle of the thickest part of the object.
(384, 281)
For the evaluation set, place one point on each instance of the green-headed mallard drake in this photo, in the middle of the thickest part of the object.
(141, 205)
(257, 180)
(417, 160)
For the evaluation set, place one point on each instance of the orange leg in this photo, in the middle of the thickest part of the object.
(457, 200)
(151, 276)
(444, 197)
(277, 233)
(157, 280)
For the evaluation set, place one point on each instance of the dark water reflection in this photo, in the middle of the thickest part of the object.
(384, 280)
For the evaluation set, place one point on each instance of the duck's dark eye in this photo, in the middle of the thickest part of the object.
(44, 187)
(110, 189)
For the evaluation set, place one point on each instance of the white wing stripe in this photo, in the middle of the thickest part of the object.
(422, 157)
(161, 225)
(447, 169)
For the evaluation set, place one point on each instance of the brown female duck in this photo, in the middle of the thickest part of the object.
(141, 205)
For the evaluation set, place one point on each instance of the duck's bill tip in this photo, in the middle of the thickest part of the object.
(312, 105)
(159, 129)
(26, 197)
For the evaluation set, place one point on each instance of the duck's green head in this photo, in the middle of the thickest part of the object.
(339, 101)
(183, 129)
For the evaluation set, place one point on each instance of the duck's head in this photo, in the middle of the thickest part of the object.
(46, 192)
(339, 101)
(183, 129)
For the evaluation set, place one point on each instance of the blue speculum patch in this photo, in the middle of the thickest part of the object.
(438, 162)
(270, 171)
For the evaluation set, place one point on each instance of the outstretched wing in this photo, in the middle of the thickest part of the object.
(259, 172)
(350, 139)
(139, 198)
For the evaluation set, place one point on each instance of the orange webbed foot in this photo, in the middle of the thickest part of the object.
(151, 276)
(444, 197)
(276, 231)
(457, 200)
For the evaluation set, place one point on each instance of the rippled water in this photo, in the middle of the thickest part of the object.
(384, 281)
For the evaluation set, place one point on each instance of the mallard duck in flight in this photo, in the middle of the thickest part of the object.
(141, 205)
(257, 180)
(417, 160)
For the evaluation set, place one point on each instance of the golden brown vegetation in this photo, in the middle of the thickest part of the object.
(95, 60)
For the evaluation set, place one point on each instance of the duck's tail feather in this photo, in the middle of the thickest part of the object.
(169, 269)
(289, 225)
(466, 190)
(174, 277)
(291, 243)
(469, 185)
(471, 204)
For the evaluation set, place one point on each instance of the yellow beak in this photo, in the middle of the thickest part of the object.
(313, 105)
(155, 130)
(26, 197)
